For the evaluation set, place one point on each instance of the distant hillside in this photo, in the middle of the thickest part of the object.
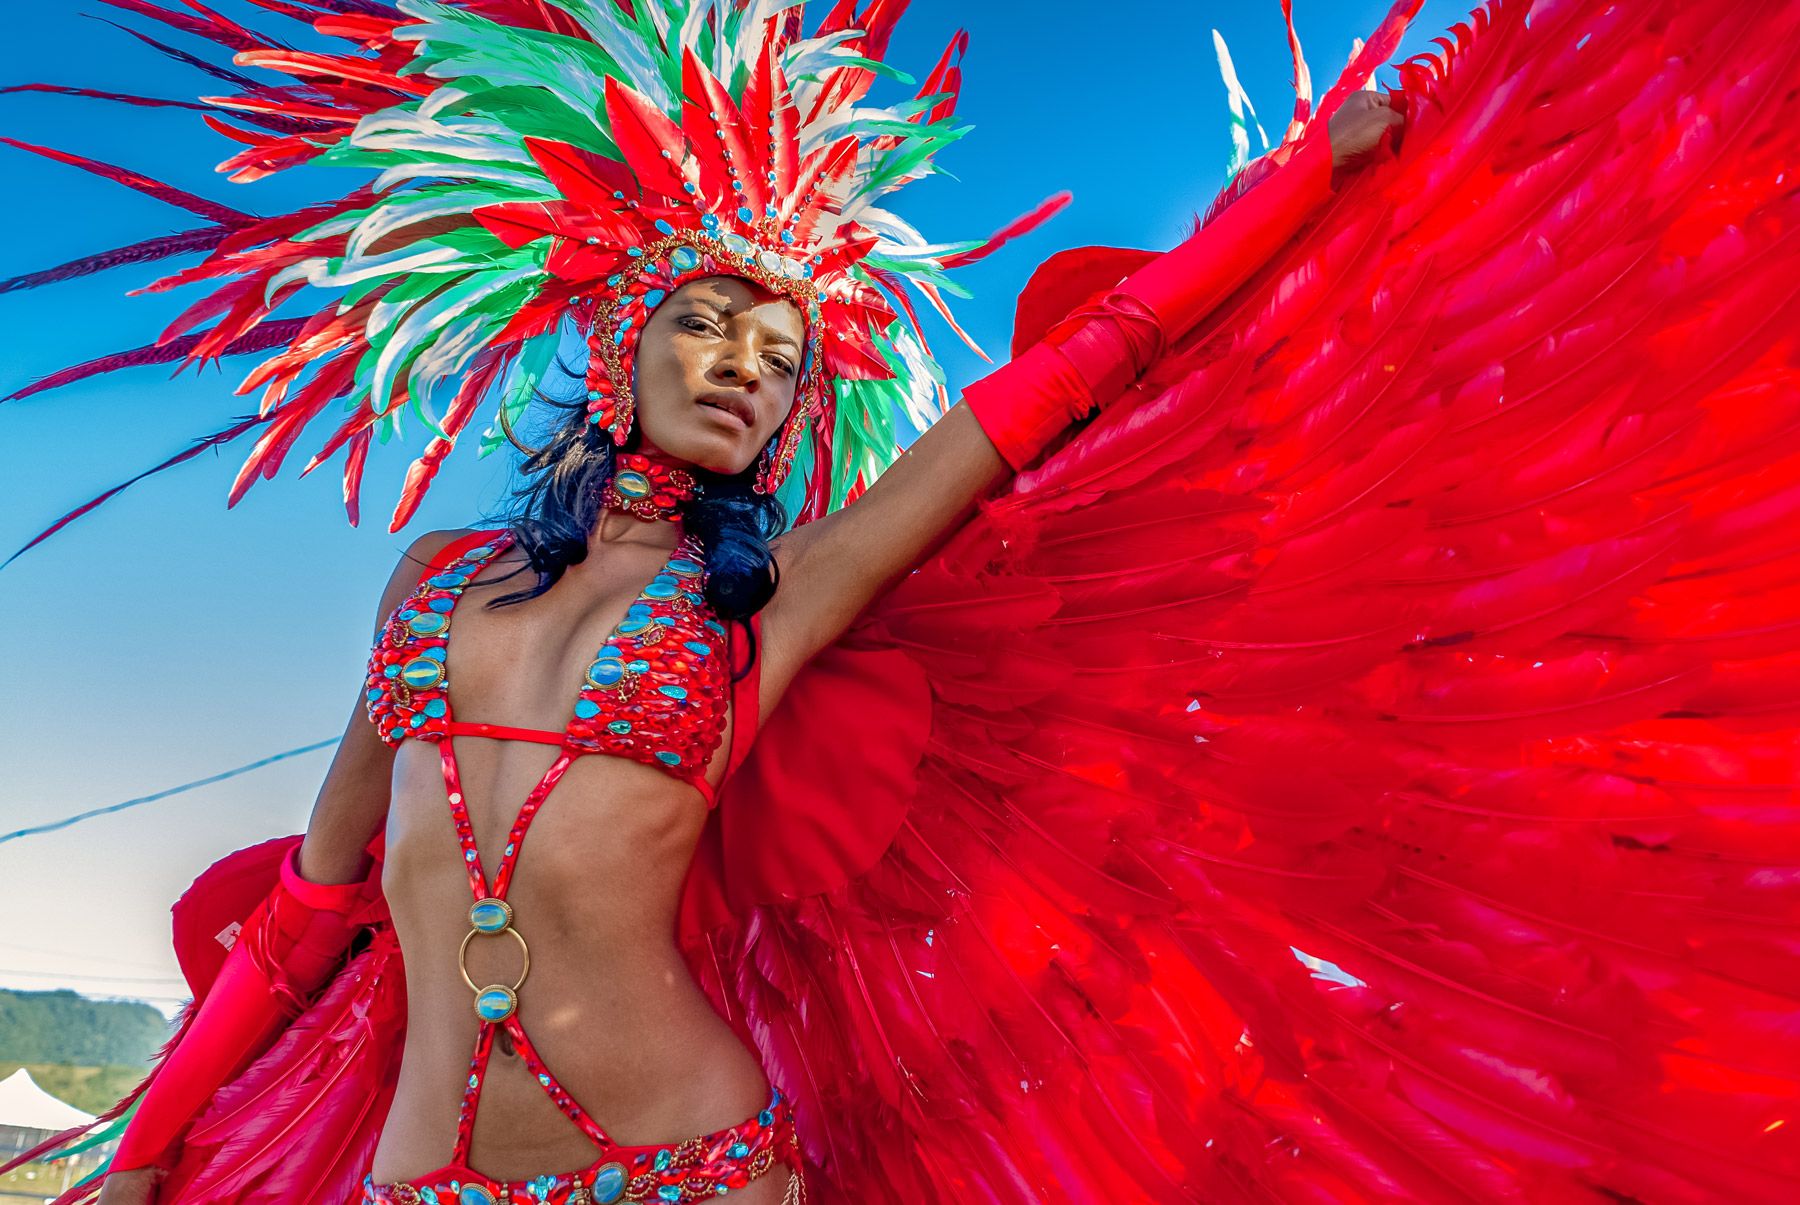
(62, 1027)
(90, 1089)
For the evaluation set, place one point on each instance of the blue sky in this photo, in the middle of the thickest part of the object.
(164, 639)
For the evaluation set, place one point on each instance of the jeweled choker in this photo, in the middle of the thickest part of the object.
(647, 489)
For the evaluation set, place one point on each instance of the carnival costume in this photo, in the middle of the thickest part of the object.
(1359, 764)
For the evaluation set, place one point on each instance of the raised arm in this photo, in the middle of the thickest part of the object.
(833, 568)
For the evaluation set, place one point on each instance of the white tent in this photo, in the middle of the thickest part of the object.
(27, 1106)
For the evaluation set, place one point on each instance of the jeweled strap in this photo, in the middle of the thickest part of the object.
(450, 553)
(559, 1096)
(515, 839)
(459, 817)
(465, 1115)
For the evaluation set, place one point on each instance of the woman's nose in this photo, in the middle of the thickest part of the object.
(737, 364)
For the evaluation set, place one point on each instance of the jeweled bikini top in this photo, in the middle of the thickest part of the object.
(656, 691)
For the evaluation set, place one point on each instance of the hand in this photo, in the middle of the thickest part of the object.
(134, 1187)
(1356, 128)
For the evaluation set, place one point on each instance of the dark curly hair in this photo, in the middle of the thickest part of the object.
(558, 502)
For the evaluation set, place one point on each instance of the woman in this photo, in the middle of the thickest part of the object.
(1094, 994)
(718, 374)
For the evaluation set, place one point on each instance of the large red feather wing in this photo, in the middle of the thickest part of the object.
(1396, 799)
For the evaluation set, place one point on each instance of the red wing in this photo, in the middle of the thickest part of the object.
(1398, 800)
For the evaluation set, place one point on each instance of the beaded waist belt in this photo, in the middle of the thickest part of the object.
(698, 1169)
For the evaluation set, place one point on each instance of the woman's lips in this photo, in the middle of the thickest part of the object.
(737, 409)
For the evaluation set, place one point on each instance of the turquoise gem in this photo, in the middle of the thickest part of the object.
(392, 671)
(674, 692)
(428, 624)
(654, 298)
(479, 554)
(737, 244)
(787, 236)
(631, 627)
(684, 259)
(609, 1183)
(698, 649)
(436, 654)
(667, 758)
(449, 581)
(739, 1150)
(475, 1194)
(422, 673)
(442, 606)
(744, 214)
(615, 280)
(669, 1192)
(586, 709)
(409, 613)
(435, 708)
(418, 721)
(684, 567)
(606, 671)
(696, 599)
(495, 1004)
(664, 226)
(715, 626)
(660, 590)
(640, 666)
(619, 727)
(395, 734)
(663, 1158)
(765, 1118)
(489, 916)
(374, 695)
(638, 610)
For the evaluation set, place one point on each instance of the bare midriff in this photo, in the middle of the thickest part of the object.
(608, 1001)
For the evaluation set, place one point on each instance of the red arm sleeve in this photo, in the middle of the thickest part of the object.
(1095, 354)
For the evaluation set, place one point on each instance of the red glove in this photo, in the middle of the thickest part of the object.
(1093, 356)
(285, 952)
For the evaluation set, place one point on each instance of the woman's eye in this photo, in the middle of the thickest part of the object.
(782, 366)
(696, 324)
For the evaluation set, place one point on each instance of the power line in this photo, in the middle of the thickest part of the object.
(54, 825)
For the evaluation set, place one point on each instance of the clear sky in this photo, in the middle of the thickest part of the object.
(164, 639)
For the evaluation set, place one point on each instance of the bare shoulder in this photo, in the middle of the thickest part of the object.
(412, 565)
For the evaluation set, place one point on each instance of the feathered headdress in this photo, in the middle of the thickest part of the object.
(547, 166)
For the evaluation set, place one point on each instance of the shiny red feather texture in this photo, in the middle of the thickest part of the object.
(1364, 768)
(1399, 800)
